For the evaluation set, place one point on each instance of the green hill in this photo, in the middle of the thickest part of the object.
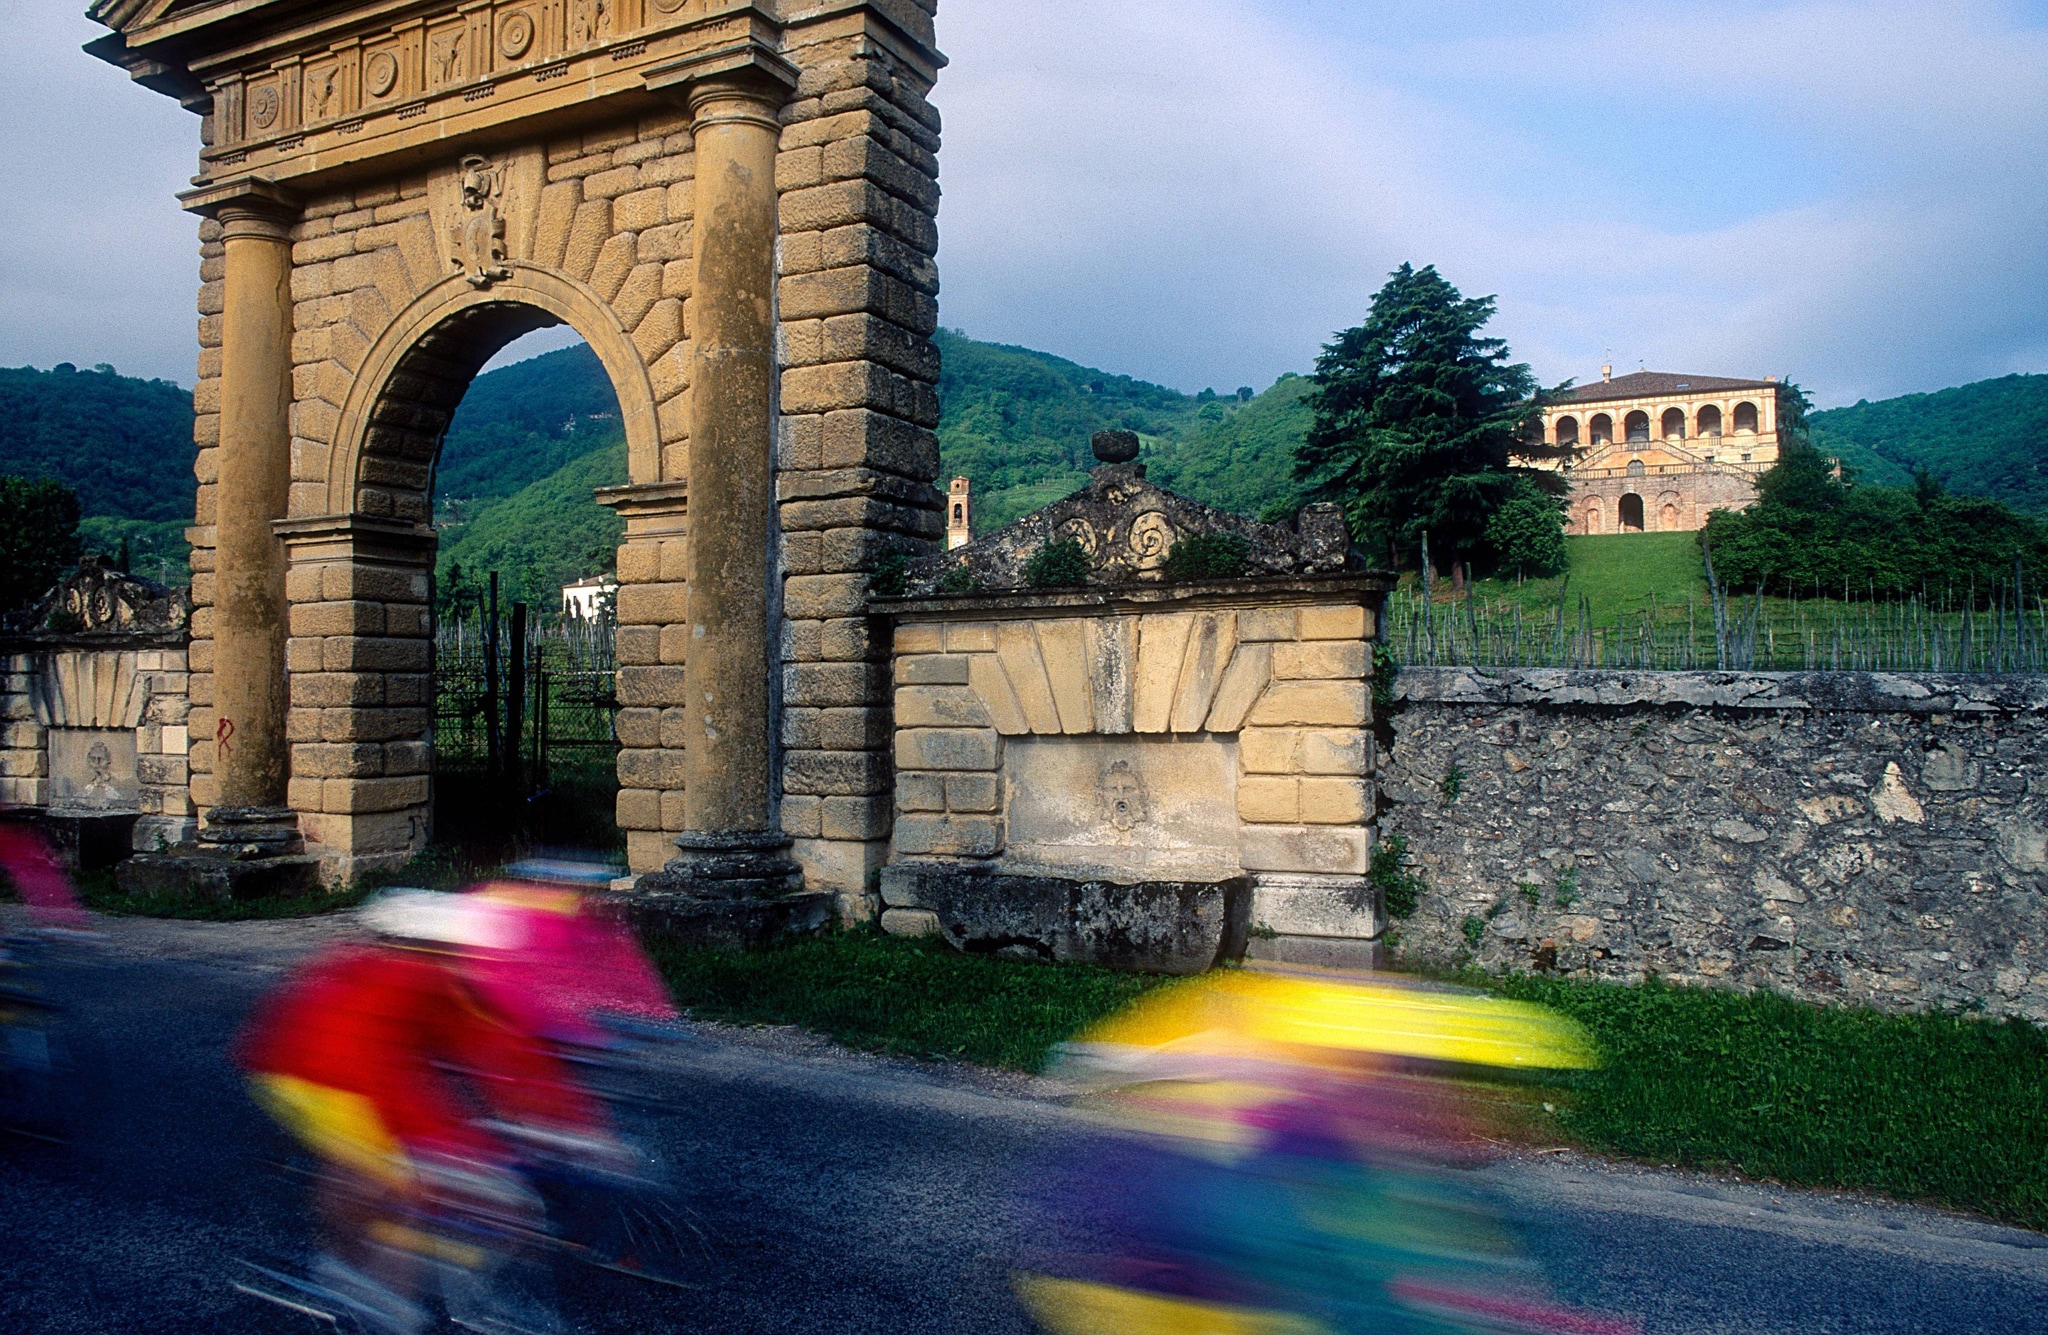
(1986, 439)
(1017, 422)
(520, 423)
(547, 534)
(514, 475)
(1240, 457)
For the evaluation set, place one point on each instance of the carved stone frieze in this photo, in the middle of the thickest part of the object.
(98, 600)
(1128, 528)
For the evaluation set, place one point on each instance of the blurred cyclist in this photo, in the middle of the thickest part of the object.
(33, 1068)
(417, 1067)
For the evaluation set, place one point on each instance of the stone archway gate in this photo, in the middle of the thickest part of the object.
(733, 204)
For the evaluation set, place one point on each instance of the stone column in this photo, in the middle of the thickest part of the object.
(731, 845)
(252, 494)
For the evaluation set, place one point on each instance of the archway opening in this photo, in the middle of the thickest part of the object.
(1638, 426)
(1629, 514)
(1567, 430)
(1602, 429)
(1745, 419)
(1636, 468)
(525, 685)
(1710, 421)
(1674, 424)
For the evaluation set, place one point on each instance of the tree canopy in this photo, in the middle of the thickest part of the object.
(1419, 424)
(1812, 530)
(38, 539)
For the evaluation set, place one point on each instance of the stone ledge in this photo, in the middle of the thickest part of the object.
(1817, 692)
(1012, 604)
(1176, 927)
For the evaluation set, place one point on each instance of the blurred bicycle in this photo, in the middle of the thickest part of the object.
(457, 1079)
(34, 1069)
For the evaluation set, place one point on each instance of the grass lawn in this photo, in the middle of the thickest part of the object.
(1938, 1108)
(913, 998)
(1619, 572)
(1935, 1108)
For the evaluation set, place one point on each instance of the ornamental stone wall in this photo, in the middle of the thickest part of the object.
(1161, 734)
(1849, 837)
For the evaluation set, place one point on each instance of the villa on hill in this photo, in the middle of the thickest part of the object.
(1662, 451)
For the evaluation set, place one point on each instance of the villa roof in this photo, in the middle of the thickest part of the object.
(1651, 384)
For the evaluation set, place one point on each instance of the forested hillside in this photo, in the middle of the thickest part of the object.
(1986, 439)
(123, 444)
(530, 441)
(1241, 457)
(522, 422)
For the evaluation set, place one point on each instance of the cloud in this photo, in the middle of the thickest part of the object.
(100, 264)
(1202, 190)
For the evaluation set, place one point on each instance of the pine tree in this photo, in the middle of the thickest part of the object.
(1423, 426)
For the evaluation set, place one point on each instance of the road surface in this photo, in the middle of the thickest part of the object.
(841, 1192)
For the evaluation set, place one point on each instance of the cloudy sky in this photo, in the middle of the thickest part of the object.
(1199, 192)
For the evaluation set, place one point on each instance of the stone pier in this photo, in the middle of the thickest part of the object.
(733, 202)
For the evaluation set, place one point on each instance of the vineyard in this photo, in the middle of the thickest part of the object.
(2004, 629)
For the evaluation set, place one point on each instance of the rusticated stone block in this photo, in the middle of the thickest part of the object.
(948, 749)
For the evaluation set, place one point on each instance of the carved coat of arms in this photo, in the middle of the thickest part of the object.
(479, 233)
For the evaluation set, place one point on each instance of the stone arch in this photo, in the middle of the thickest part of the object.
(1709, 421)
(1628, 515)
(1601, 429)
(1637, 425)
(1636, 468)
(1745, 418)
(1592, 522)
(1567, 430)
(1669, 515)
(1674, 424)
(398, 408)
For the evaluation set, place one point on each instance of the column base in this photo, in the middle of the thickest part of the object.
(241, 853)
(734, 891)
(728, 866)
(248, 833)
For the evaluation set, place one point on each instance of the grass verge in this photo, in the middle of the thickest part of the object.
(1938, 1108)
(912, 998)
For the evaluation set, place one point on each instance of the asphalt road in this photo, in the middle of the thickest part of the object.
(842, 1192)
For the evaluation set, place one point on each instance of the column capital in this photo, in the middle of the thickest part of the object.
(246, 206)
(745, 81)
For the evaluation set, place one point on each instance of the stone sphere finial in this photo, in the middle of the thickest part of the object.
(1116, 447)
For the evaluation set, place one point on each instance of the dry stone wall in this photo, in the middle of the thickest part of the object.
(1840, 837)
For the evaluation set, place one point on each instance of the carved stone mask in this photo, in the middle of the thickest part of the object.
(1123, 797)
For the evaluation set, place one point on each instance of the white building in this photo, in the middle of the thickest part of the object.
(587, 599)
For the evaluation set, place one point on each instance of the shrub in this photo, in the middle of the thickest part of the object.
(891, 577)
(1061, 563)
(1207, 556)
(1401, 890)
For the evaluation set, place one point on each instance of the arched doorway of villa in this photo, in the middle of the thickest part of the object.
(1629, 514)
